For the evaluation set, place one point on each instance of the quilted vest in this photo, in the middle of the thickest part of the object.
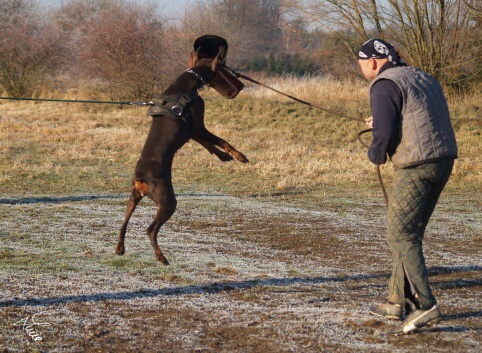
(427, 134)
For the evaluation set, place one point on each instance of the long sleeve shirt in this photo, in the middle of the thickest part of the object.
(386, 103)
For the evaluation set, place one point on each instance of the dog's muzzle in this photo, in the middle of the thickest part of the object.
(226, 83)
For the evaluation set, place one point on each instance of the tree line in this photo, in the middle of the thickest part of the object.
(129, 50)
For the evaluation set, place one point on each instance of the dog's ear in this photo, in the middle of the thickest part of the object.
(194, 58)
(222, 53)
(219, 59)
(190, 62)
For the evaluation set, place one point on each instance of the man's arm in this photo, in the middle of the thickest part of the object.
(386, 104)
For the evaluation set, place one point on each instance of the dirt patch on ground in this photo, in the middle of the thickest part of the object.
(246, 275)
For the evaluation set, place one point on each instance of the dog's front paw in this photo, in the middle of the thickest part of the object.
(224, 157)
(241, 157)
(163, 260)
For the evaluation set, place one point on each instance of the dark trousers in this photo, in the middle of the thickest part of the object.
(414, 194)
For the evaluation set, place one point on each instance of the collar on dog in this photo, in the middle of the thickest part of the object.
(197, 75)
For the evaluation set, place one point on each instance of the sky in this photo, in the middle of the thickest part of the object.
(174, 7)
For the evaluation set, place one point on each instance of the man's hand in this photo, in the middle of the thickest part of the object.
(369, 122)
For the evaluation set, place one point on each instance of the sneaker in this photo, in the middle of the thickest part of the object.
(389, 310)
(421, 318)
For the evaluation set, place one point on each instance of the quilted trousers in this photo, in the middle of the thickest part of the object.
(414, 194)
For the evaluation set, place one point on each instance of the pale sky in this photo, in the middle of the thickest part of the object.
(174, 7)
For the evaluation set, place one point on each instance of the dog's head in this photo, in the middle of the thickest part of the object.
(224, 81)
(208, 47)
(205, 68)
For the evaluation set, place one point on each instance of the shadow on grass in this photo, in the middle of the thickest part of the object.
(471, 314)
(229, 286)
(455, 328)
(57, 199)
(80, 198)
(184, 290)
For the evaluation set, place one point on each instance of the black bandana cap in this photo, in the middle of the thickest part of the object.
(379, 49)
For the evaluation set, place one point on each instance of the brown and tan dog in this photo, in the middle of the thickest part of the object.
(177, 117)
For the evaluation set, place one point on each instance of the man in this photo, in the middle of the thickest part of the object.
(411, 124)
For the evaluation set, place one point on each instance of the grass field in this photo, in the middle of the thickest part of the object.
(283, 254)
(65, 149)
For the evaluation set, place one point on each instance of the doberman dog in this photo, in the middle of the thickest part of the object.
(177, 117)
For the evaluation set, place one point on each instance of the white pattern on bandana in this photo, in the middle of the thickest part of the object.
(380, 48)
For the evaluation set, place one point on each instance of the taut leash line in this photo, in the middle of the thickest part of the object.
(329, 111)
(75, 101)
(332, 112)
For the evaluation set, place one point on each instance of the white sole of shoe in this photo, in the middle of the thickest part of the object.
(411, 326)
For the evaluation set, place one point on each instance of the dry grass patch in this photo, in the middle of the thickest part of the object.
(61, 149)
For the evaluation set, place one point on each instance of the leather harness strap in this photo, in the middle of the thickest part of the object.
(174, 106)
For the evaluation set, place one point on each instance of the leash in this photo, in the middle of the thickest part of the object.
(329, 111)
(332, 112)
(76, 101)
(379, 173)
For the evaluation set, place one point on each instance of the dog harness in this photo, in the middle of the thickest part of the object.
(175, 106)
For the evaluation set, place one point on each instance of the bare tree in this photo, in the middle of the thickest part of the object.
(250, 26)
(437, 35)
(440, 36)
(475, 8)
(120, 45)
(122, 48)
(29, 47)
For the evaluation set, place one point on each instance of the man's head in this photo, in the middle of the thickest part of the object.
(373, 54)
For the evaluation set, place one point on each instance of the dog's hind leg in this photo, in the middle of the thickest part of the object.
(166, 203)
(134, 199)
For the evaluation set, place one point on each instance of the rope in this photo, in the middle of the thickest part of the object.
(329, 111)
(379, 173)
(332, 112)
(75, 101)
